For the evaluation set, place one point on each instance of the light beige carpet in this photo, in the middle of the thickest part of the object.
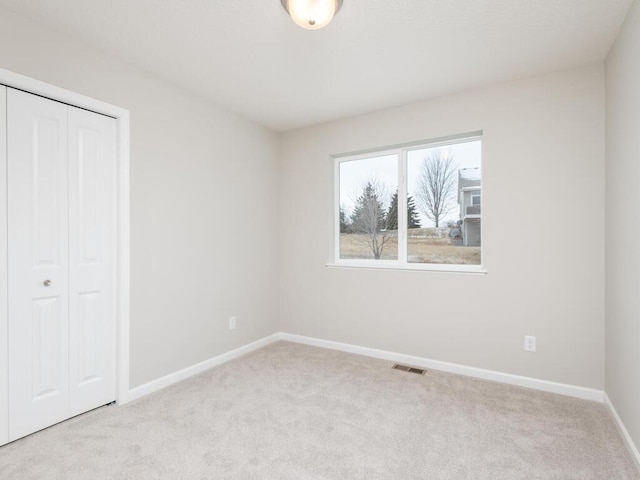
(296, 412)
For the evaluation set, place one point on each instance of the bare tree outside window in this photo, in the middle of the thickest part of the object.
(436, 186)
(365, 187)
(369, 217)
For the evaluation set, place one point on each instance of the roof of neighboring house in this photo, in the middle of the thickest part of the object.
(469, 177)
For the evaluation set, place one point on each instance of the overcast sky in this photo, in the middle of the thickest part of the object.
(355, 174)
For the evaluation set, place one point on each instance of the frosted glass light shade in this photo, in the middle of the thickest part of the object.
(312, 14)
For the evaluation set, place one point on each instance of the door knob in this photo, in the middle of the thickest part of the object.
(47, 283)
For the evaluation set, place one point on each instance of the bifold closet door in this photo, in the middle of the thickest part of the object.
(38, 262)
(92, 259)
(61, 232)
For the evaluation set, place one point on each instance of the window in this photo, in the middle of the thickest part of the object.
(416, 206)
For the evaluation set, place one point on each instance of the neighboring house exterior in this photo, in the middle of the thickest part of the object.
(470, 201)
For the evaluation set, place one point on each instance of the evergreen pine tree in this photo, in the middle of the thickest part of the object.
(344, 226)
(413, 220)
(369, 219)
(368, 215)
(392, 213)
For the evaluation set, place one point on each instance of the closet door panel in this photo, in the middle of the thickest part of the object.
(92, 243)
(38, 262)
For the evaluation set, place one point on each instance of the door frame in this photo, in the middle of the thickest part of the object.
(121, 115)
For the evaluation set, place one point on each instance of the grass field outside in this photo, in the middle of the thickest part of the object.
(425, 245)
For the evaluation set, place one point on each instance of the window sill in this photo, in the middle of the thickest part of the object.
(416, 267)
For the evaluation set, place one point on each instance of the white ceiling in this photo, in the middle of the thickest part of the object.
(248, 56)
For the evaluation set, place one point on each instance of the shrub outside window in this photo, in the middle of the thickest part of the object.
(416, 206)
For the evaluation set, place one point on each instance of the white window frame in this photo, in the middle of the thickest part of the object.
(401, 263)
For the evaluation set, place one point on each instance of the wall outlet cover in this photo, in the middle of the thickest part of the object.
(529, 344)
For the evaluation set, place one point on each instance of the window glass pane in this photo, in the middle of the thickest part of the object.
(368, 225)
(444, 186)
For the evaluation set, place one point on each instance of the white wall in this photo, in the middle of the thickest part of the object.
(543, 221)
(202, 204)
(199, 172)
(623, 225)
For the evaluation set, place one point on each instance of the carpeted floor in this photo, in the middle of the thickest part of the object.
(290, 411)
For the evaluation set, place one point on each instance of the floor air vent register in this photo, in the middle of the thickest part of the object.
(406, 368)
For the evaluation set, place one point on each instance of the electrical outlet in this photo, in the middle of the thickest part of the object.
(529, 344)
(232, 323)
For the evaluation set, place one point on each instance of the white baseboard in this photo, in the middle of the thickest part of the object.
(633, 450)
(507, 378)
(534, 383)
(185, 373)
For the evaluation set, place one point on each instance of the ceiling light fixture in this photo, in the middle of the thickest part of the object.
(312, 14)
